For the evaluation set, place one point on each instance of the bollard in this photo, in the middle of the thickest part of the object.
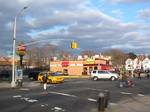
(107, 96)
(101, 102)
(19, 83)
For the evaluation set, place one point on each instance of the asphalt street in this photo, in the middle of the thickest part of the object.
(74, 95)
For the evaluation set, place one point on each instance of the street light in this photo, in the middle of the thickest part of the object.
(14, 48)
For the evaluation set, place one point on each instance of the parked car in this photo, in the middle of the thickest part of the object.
(100, 74)
(5, 74)
(51, 77)
(33, 75)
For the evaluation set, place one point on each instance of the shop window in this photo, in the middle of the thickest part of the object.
(84, 71)
(90, 69)
(65, 72)
(95, 68)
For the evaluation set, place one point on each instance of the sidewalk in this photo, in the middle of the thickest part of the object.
(7, 84)
(135, 104)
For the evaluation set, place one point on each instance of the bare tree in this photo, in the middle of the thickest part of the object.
(118, 57)
(88, 53)
(40, 56)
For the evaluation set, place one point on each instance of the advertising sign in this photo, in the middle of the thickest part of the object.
(19, 74)
(90, 61)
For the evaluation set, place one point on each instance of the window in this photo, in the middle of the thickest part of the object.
(94, 71)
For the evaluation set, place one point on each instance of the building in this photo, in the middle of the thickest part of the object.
(81, 66)
(138, 64)
(5, 63)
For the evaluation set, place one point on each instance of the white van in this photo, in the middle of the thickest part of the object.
(100, 74)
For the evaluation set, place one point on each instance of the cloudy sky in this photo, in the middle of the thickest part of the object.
(96, 25)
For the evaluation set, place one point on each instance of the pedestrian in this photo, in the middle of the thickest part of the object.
(139, 74)
(44, 81)
(148, 74)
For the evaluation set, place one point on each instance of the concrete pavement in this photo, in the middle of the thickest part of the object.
(7, 84)
(136, 104)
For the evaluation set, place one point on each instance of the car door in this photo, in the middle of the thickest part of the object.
(104, 74)
(101, 75)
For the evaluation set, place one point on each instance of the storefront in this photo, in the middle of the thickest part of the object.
(83, 67)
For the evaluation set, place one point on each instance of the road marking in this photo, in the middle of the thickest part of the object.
(32, 100)
(25, 99)
(29, 100)
(94, 89)
(141, 95)
(126, 93)
(24, 89)
(57, 109)
(44, 105)
(64, 94)
(17, 96)
(113, 104)
(93, 100)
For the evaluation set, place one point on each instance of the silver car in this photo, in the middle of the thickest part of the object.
(100, 74)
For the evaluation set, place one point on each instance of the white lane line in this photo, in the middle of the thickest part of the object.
(113, 104)
(57, 109)
(93, 100)
(64, 94)
(17, 96)
(24, 89)
(32, 100)
(94, 89)
(44, 105)
(126, 93)
(141, 95)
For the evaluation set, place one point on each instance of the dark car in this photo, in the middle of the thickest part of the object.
(33, 75)
(5, 74)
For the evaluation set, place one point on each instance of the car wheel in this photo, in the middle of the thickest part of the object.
(95, 78)
(113, 78)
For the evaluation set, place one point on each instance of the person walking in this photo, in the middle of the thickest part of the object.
(44, 81)
(139, 74)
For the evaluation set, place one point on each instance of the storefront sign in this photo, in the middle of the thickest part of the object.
(65, 63)
(89, 61)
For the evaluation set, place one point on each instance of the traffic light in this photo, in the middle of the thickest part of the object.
(73, 45)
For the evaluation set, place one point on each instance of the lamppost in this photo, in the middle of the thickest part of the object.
(14, 48)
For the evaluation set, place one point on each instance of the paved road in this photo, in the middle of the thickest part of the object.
(74, 95)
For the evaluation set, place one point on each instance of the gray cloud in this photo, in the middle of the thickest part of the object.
(69, 19)
(144, 14)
